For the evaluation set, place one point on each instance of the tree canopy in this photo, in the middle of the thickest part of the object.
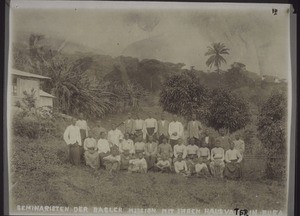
(228, 110)
(215, 52)
(184, 95)
(218, 108)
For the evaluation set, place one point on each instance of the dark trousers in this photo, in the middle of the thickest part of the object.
(74, 154)
(83, 136)
(161, 137)
(150, 131)
(173, 143)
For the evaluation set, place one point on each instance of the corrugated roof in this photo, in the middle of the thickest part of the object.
(45, 94)
(26, 74)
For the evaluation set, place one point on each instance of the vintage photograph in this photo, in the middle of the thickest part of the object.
(148, 108)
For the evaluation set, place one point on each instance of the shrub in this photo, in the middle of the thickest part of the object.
(228, 110)
(272, 125)
(183, 94)
(32, 125)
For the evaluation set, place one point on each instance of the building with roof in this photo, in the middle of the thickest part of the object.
(28, 82)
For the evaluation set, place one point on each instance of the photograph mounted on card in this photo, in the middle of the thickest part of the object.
(149, 108)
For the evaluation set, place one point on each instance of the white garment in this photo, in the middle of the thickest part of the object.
(217, 153)
(199, 167)
(233, 155)
(112, 158)
(114, 136)
(103, 146)
(127, 145)
(89, 143)
(204, 152)
(192, 149)
(139, 124)
(142, 163)
(179, 166)
(180, 149)
(163, 163)
(175, 127)
(72, 135)
(151, 123)
(82, 125)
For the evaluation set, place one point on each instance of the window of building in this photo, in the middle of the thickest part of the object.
(14, 85)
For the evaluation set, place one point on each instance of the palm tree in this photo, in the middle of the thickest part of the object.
(215, 51)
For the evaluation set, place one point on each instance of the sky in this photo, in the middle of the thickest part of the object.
(254, 35)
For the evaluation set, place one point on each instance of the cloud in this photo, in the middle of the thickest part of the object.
(146, 22)
(255, 38)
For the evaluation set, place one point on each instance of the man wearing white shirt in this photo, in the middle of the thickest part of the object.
(175, 131)
(150, 127)
(114, 136)
(81, 123)
(192, 155)
(127, 144)
(217, 164)
(103, 147)
(179, 148)
(73, 139)
(233, 159)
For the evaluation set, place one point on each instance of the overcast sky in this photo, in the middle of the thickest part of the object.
(254, 36)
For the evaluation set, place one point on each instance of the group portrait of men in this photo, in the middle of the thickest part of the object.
(158, 145)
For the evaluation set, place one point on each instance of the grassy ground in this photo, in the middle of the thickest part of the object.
(41, 175)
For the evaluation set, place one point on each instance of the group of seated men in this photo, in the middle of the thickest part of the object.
(155, 145)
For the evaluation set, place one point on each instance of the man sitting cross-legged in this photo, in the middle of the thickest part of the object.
(163, 164)
(138, 165)
(125, 158)
(112, 161)
(180, 166)
(232, 158)
(217, 164)
(201, 168)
